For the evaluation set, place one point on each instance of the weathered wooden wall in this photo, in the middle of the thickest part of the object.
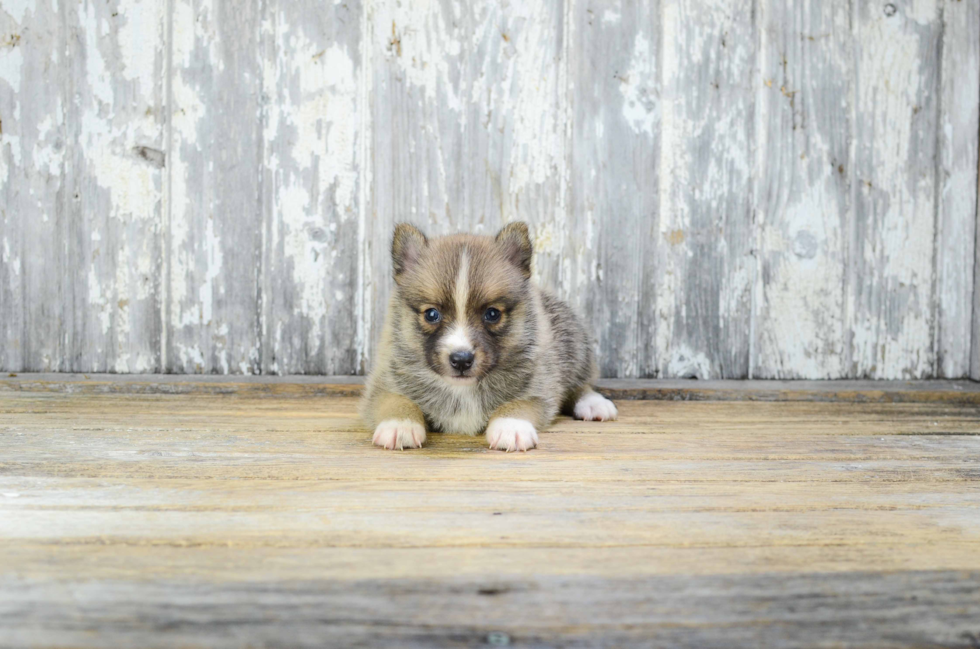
(781, 188)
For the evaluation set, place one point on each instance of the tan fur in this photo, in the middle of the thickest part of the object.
(532, 410)
(533, 360)
(390, 405)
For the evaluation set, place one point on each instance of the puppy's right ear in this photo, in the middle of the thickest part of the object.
(406, 248)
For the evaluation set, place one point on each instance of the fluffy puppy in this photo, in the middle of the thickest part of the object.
(470, 344)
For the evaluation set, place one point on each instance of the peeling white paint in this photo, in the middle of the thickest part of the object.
(611, 17)
(638, 85)
(11, 63)
(483, 112)
(685, 362)
(98, 301)
(189, 110)
(139, 21)
(422, 42)
(889, 332)
(17, 9)
(923, 12)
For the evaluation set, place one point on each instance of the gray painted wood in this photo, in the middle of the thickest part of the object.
(892, 246)
(215, 228)
(802, 195)
(116, 54)
(784, 191)
(34, 189)
(614, 182)
(311, 181)
(703, 260)
(955, 186)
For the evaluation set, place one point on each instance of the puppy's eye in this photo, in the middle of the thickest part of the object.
(432, 316)
(492, 315)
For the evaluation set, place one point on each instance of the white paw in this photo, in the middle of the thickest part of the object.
(508, 434)
(595, 407)
(399, 433)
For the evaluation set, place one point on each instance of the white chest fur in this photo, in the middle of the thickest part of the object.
(463, 413)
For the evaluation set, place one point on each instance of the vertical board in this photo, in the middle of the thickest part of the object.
(117, 54)
(957, 185)
(892, 239)
(215, 227)
(33, 191)
(312, 133)
(704, 257)
(802, 198)
(975, 346)
(615, 112)
(468, 132)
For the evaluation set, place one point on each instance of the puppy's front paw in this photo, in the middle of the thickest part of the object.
(595, 407)
(399, 433)
(508, 434)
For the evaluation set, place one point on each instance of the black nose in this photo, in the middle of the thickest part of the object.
(461, 361)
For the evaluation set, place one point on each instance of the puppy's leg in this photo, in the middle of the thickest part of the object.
(512, 425)
(402, 424)
(592, 406)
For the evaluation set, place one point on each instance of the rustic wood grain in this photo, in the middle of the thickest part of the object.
(614, 183)
(784, 190)
(34, 188)
(704, 262)
(215, 228)
(882, 610)
(802, 199)
(892, 253)
(116, 54)
(956, 192)
(210, 520)
(311, 176)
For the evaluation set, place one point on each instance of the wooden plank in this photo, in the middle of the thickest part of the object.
(115, 177)
(276, 439)
(216, 520)
(214, 230)
(903, 609)
(468, 129)
(933, 418)
(312, 135)
(614, 157)
(975, 338)
(956, 190)
(963, 392)
(34, 192)
(891, 254)
(704, 246)
(237, 564)
(802, 197)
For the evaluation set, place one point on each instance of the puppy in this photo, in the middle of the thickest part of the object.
(470, 344)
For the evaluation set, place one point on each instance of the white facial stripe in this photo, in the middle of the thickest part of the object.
(457, 340)
(462, 293)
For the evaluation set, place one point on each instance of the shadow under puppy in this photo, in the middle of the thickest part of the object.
(470, 344)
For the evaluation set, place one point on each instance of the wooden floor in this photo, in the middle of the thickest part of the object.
(233, 520)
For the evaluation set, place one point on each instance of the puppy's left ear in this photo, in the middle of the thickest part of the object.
(515, 241)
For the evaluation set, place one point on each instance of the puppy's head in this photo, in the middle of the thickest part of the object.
(463, 300)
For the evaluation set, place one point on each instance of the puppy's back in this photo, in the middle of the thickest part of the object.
(572, 347)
